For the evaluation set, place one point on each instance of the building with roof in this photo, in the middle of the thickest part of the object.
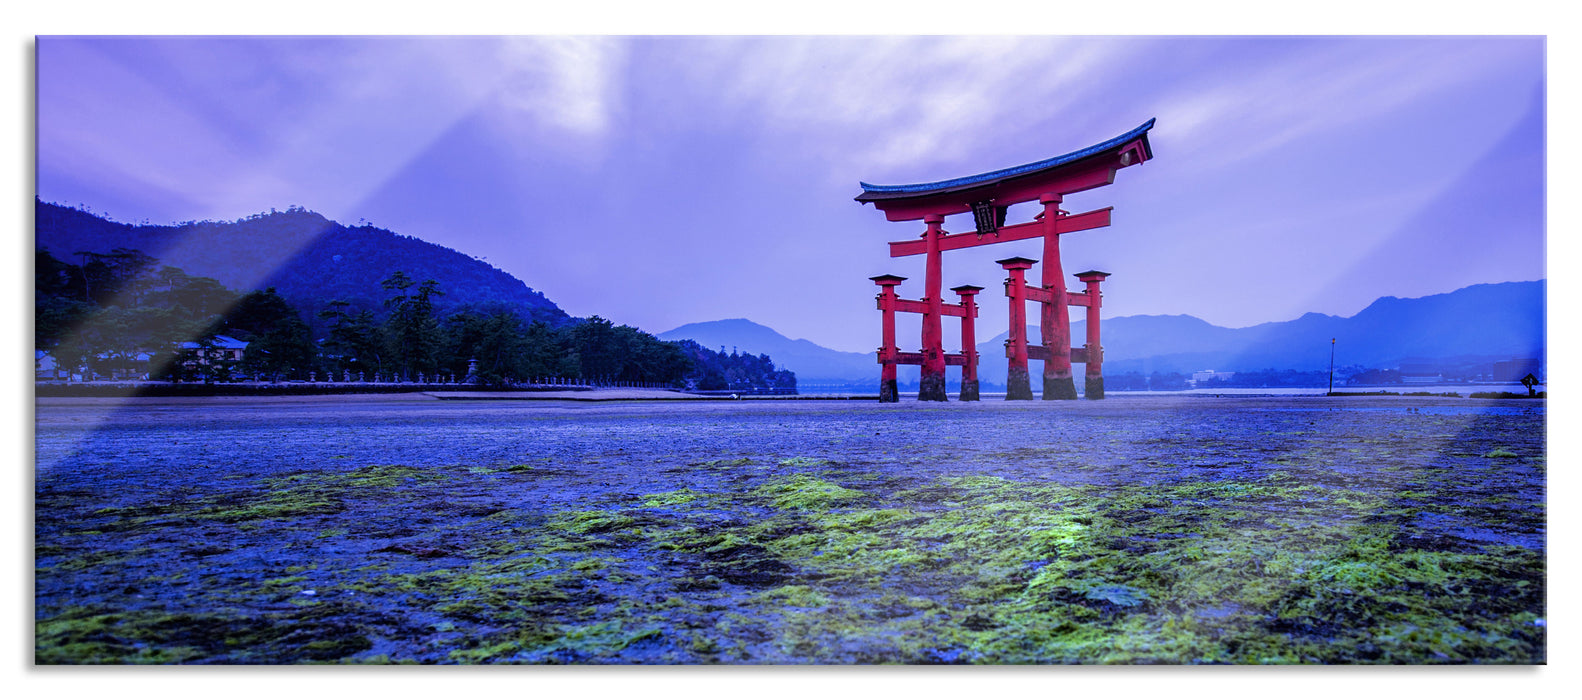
(221, 351)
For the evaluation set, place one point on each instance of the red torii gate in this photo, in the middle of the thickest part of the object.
(890, 355)
(987, 196)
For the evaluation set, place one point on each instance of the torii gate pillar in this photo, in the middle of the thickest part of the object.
(1093, 379)
(969, 340)
(931, 385)
(1017, 387)
(1054, 319)
(888, 352)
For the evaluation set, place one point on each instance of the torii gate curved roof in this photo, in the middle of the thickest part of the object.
(1079, 170)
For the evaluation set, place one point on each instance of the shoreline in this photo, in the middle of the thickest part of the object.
(425, 396)
(654, 395)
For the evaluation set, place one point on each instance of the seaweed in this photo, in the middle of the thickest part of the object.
(1288, 533)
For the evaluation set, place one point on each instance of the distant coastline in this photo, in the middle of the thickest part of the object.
(396, 391)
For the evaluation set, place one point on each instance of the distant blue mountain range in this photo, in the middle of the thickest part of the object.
(1479, 324)
(811, 362)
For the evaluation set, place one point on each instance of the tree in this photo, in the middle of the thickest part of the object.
(546, 352)
(652, 360)
(57, 309)
(353, 342)
(279, 344)
(593, 343)
(496, 340)
(54, 318)
(107, 275)
(199, 297)
(412, 335)
(709, 370)
(53, 277)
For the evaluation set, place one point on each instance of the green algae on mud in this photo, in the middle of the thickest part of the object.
(1193, 536)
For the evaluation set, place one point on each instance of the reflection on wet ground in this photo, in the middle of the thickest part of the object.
(1132, 530)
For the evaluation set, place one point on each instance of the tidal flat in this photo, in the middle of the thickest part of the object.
(1134, 530)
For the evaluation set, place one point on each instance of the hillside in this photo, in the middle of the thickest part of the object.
(812, 363)
(1477, 324)
(1484, 322)
(307, 258)
(122, 314)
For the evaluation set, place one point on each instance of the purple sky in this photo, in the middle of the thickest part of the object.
(664, 181)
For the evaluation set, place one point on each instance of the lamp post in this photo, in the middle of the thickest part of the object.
(1331, 365)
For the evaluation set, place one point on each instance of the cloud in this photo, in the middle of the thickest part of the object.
(570, 83)
(896, 104)
(1241, 104)
(232, 124)
(98, 114)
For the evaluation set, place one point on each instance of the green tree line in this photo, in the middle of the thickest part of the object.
(122, 314)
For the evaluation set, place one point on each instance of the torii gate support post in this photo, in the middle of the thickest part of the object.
(931, 385)
(888, 352)
(1093, 376)
(1054, 319)
(969, 341)
(1017, 387)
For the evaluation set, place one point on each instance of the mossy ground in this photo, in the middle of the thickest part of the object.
(1143, 531)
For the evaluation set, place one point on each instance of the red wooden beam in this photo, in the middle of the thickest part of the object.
(1044, 296)
(952, 359)
(1090, 174)
(1097, 218)
(1090, 167)
(916, 306)
(1038, 352)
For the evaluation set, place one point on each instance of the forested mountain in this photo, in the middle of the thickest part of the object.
(311, 298)
(308, 259)
(718, 371)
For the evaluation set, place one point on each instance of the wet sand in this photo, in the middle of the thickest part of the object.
(387, 528)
